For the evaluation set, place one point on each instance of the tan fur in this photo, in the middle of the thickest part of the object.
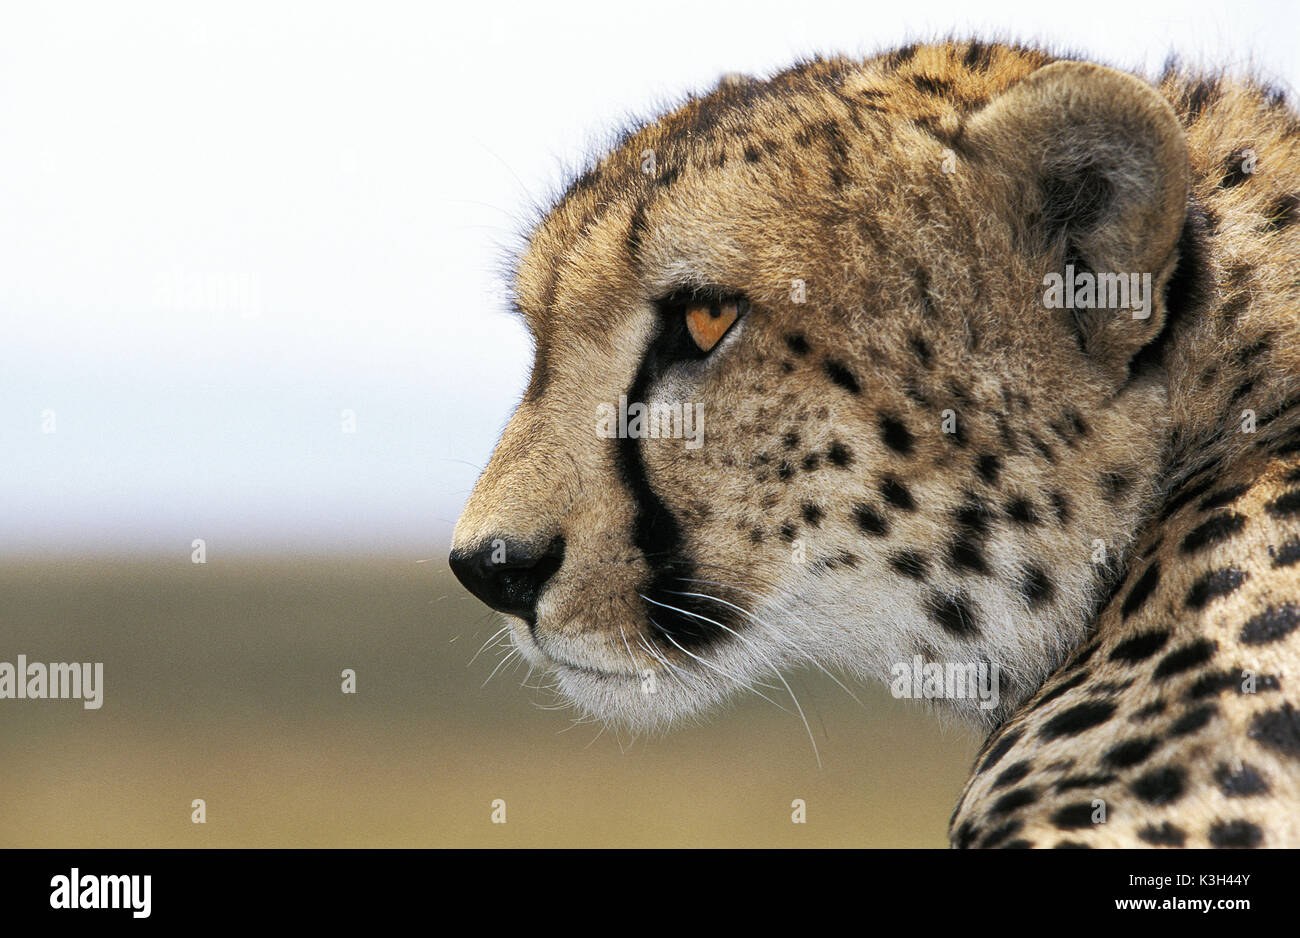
(920, 198)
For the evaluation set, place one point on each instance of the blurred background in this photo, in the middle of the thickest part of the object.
(250, 291)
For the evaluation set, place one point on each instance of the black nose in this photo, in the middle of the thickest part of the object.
(506, 575)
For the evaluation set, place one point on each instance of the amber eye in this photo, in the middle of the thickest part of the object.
(708, 321)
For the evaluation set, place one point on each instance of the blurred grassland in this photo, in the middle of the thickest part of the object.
(222, 682)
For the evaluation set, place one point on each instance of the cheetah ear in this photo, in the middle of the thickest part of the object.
(1093, 163)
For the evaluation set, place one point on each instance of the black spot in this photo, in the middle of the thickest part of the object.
(1184, 659)
(790, 439)
(1223, 497)
(966, 835)
(1166, 835)
(927, 84)
(1071, 845)
(979, 56)
(1061, 506)
(1077, 719)
(1184, 496)
(989, 466)
(811, 462)
(896, 494)
(954, 614)
(1014, 800)
(921, 349)
(1153, 709)
(999, 834)
(964, 556)
(1130, 752)
(839, 454)
(1075, 782)
(1201, 94)
(1271, 625)
(974, 516)
(1000, 749)
(1193, 721)
(1037, 587)
(1083, 655)
(1011, 774)
(788, 531)
(1235, 834)
(870, 521)
(1278, 729)
(1140, 646)
(895, 435)
(1282, 214)
(1141, 590)
(1213, 683)
(1114, 485)
(840, 375)
(900, 56)
(1160, 786)
(1022, 511)
(1214, 585)
(784, 472)
(1240, 783)
(1288, 554)
(1214, 531)
(812, 514)
(1073, 816)
(752, 154)
(797, 343)
(910, 564)
(1019, 843)
(755, 535)
(1286, 505)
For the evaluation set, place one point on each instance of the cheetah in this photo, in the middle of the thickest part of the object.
(906, 451)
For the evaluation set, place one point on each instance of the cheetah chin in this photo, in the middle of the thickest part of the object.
(938, 431)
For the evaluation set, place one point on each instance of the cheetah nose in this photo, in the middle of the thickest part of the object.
(507, 575)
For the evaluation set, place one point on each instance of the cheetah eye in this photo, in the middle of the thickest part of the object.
(707, 321)
(695, 321)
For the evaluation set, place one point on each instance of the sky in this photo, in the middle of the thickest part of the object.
(251, 253)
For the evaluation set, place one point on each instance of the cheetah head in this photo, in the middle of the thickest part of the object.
(863, 435)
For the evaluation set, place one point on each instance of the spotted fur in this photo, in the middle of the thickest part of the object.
(907, 454)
